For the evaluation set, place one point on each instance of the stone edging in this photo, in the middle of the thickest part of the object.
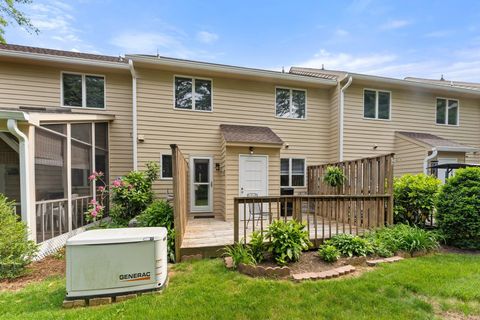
(373, 263)
(329, 274)
(268, 272)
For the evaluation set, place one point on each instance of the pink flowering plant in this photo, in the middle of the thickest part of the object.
(130, 195)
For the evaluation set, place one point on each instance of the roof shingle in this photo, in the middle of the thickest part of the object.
(249, 134)
(432, 140)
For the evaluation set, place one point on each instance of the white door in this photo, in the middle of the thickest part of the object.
(253, 175)
(201, 184)
(443, 172)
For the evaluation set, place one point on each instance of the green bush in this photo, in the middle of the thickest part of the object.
(328, 253)
(132, 194)
(458, 209)
(414, 198)
(240, 253)
(350, 245)
(160, 214)
(288, 240)
(334, 176)
(16, 251)
(257, 246)
(401, 237)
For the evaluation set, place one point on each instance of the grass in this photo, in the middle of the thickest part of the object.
(418, 288)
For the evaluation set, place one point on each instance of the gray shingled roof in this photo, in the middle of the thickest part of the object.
(249, 134)
(61, 53)
(433, 140)
(318, 73)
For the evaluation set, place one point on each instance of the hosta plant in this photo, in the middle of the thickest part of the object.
(288, 240)
(328, 253)
(350, 245)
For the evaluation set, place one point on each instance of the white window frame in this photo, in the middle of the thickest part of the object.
(193, 93)
(161, 166)
(376, 104)
(290, 102)
(290, 172)
(84, 90)
(446, 112)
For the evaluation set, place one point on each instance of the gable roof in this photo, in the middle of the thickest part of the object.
(249, 134)
(459, 84)
(319, 73)
(441, 144)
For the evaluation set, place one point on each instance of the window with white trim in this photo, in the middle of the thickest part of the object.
(376, 104)
(292, 172)
(290, 103)
(193, 94)
(83, 90)
(166, 166)
(447, 111)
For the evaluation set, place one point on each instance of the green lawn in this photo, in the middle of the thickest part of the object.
(420, 288)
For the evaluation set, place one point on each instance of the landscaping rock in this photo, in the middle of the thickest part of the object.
(133, 223)
(228, 262)
(373, 263)
(356, 261)
(68, 304)
(99, 301)
(329, 274)
(125, 297)
(261, 271)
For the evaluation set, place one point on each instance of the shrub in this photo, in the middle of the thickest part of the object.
(257, 246)
(458, 209)
(288, 240)
(350, 245)
(328, 253)
(334, 176)
(414, 198)
(401, 237)
(160, 214)
(240, 253)
(16, 251)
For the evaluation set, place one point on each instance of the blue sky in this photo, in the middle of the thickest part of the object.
(390, 38)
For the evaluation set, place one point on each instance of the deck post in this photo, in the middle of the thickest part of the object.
(236, 221)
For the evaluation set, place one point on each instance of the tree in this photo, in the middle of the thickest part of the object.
(9, 13)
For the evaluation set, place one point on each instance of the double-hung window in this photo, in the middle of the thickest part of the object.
(376, 104)
(166, 166)
(290, 103)
(447, 111)
(83, 90)
(292, 172)
(193, 94)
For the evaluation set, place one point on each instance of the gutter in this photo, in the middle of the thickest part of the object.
(134, 115)
(428, 158)
(25, 200)
(220, 68)
(341, 116)
(61, 59)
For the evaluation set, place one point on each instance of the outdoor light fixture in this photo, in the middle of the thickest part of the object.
(217, 166)
(251, 150)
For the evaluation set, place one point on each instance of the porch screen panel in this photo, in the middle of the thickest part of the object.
(101, 152)
(9, 169)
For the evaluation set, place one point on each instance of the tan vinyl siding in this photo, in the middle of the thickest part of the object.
(410, 111)
(409, 156)
(459, 156)
(234, 102)
(39, 86)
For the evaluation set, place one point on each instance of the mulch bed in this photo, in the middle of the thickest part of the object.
(448, 249)
(36, 272)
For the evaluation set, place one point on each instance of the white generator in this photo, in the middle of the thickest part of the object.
(109, 262)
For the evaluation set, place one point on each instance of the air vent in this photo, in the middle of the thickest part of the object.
(204, 217)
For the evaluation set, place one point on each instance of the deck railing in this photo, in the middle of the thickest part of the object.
(323, 215)
(180, 191)
(52, 216)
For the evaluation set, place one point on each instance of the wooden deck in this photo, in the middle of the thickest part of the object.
(212, 232)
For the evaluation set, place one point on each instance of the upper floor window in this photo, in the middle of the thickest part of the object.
(447, 111)
(292, 172)
(83, 90)
(290, 103)
(376, 104)
(193, 94)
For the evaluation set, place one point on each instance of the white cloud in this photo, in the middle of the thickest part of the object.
(341, 33)
(395, 24)
(207, 37)
(346, 61)
(438, 34)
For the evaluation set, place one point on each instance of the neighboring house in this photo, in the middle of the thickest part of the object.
(244, 131)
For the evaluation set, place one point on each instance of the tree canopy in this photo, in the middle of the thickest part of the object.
(9, 13)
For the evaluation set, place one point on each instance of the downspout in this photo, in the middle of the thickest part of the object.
(428, 158)
(25, 200)
(341, 116)
(134, 115)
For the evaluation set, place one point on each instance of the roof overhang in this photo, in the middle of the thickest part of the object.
(179, 65)
(439, 148)
(46, 58)
(35, 118)
(456, 149)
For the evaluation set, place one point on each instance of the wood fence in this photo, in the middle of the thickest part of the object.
(365, 201)
(180, 191)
